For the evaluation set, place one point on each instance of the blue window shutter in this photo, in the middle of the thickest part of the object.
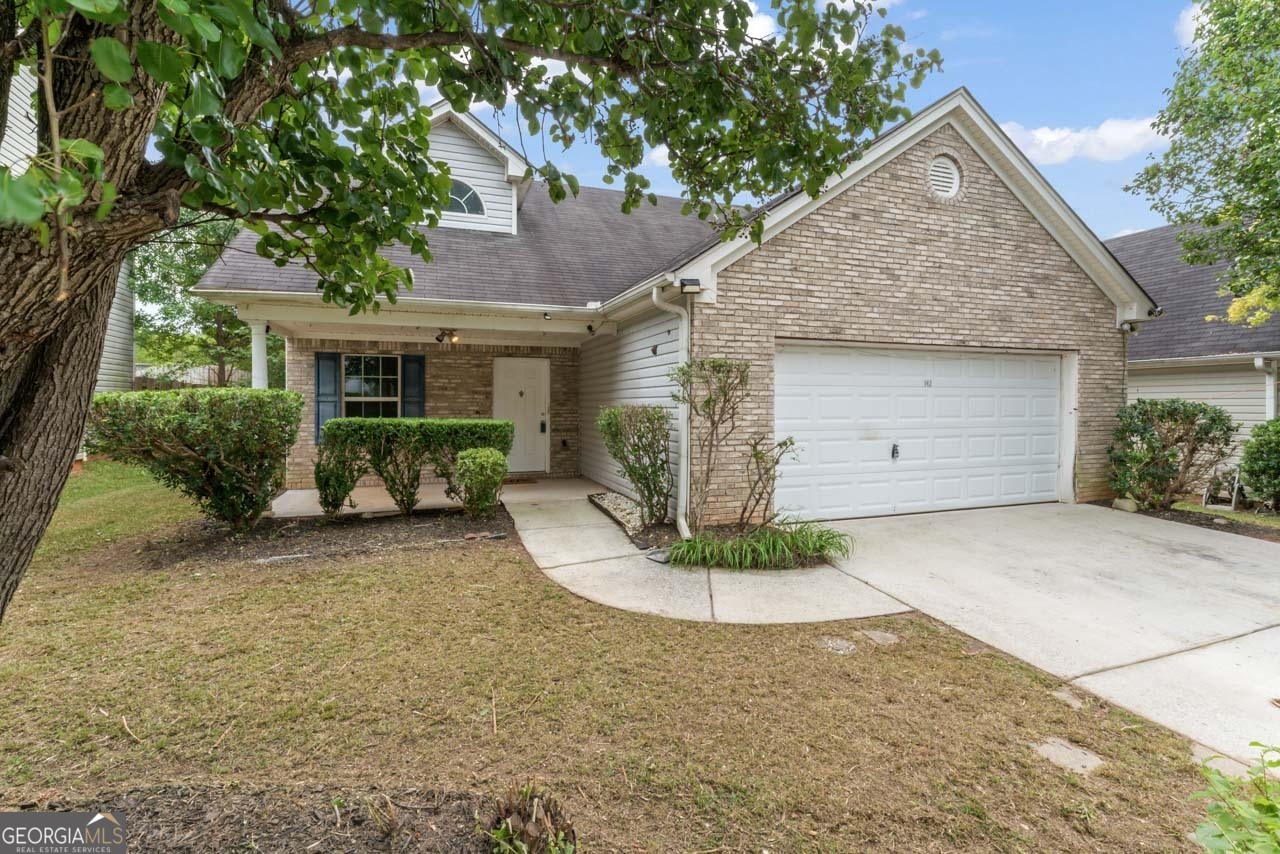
(413, 398)
(328, 388)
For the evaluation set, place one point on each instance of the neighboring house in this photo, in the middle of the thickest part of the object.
(937, 330)
(1184, 355)
(18, 146)
(162, 376)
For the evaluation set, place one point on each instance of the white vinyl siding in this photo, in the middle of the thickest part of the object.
(19, 142)
(473, 164)
(624, 368)
(115, 371)
(1239, 389)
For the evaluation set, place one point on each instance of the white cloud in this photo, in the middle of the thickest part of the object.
(1113, 139)
(1188, 19)
(918, 14)
(761, 25)
(660, 156)
(1125, 232)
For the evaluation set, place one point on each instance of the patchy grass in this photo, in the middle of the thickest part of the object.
(462, 668)
(107, 503)
(1267, 520)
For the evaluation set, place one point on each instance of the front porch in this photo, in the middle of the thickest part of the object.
(304, 503)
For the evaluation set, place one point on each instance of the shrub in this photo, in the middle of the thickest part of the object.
(763, 459)
(1260, 462)
(638, 437)
(1163, 448)
(786, 545)
(398, 448)
(339, 467)
(224, 448)
(479, 473)
(1243, 815)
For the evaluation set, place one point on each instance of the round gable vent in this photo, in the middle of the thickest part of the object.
(944, 177)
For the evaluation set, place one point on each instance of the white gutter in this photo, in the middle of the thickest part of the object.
(682, 414)
(407, 304)
(1194, 361)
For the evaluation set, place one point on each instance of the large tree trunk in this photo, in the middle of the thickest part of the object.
(44, 397)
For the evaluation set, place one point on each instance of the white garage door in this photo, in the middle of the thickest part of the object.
(905, 431)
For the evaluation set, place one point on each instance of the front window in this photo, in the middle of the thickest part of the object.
(371, 386)
(464, 200)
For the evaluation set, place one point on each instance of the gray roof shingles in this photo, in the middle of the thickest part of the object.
(582, 250)
(1187, 294)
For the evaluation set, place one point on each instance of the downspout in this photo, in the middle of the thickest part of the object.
(1271, 370)
(682, 416)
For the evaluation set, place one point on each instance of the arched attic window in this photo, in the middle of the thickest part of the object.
(464, 200)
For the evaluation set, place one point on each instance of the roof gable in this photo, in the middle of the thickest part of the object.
(960, 111)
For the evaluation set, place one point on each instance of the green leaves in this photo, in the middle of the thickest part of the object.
(20, 198)
(161, 62)
(112, 59)
(116, 97)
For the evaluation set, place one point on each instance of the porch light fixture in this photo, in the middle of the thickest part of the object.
(546, 315)
(690, 286)
(451, 335)
(591, 330)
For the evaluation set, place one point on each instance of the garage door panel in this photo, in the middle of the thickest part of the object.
(971, 430)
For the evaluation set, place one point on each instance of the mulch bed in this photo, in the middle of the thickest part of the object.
(1209, 520)
(232, 818)
(657, 536)
(282, 540)
(1218, 523)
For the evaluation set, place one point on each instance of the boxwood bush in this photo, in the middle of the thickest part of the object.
(479, 473)
(397, 449)
(224, 448)
(1260, 462)
(638, 438)
(338, 469)
(1163, 449)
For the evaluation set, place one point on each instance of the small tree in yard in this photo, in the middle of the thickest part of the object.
(1260, 462)
(763, 459)
(223, 448)
(638, 438)
(306, 122)
(714, 390)
(1163, 448)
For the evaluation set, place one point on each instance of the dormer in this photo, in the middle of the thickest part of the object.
(489, 182)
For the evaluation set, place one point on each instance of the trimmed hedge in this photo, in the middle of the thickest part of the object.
(224, 448)
(479, 473)
(397, 449)
(638, 437)
(1260, 462)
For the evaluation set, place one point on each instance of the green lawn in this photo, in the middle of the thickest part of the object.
(461, 667)
(1269, 520)
(108, 503)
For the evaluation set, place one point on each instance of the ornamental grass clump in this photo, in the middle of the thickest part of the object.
(224, 448)
(783, 545)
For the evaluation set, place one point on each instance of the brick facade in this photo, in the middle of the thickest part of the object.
(459, 385)
(888, 262)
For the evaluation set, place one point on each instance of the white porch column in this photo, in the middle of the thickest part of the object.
(258, 353)
(1271, 369)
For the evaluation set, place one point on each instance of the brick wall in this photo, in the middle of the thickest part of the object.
(459, 385)
(887, 262)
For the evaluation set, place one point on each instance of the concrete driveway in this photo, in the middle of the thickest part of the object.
(1177, 623)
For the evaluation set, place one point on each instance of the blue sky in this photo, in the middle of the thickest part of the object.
(1075, 84)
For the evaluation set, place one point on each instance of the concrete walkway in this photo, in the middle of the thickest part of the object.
(583, 550)
(1177, 623)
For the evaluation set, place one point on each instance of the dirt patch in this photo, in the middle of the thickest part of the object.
(230, 818)
(285, 540)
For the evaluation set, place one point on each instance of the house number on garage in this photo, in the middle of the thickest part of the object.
(928, 383)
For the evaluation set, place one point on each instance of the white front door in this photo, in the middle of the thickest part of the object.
(881, 431)
(522, 395)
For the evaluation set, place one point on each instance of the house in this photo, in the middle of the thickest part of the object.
(1184, 355)
(937, 329)
(17, 147)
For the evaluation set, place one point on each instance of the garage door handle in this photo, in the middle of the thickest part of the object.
(894, 452)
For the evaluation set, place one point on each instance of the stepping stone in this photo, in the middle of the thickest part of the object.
(1068, 756)
(880, 638)
(839, 646)
(1208, 756)
(1067, 696)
